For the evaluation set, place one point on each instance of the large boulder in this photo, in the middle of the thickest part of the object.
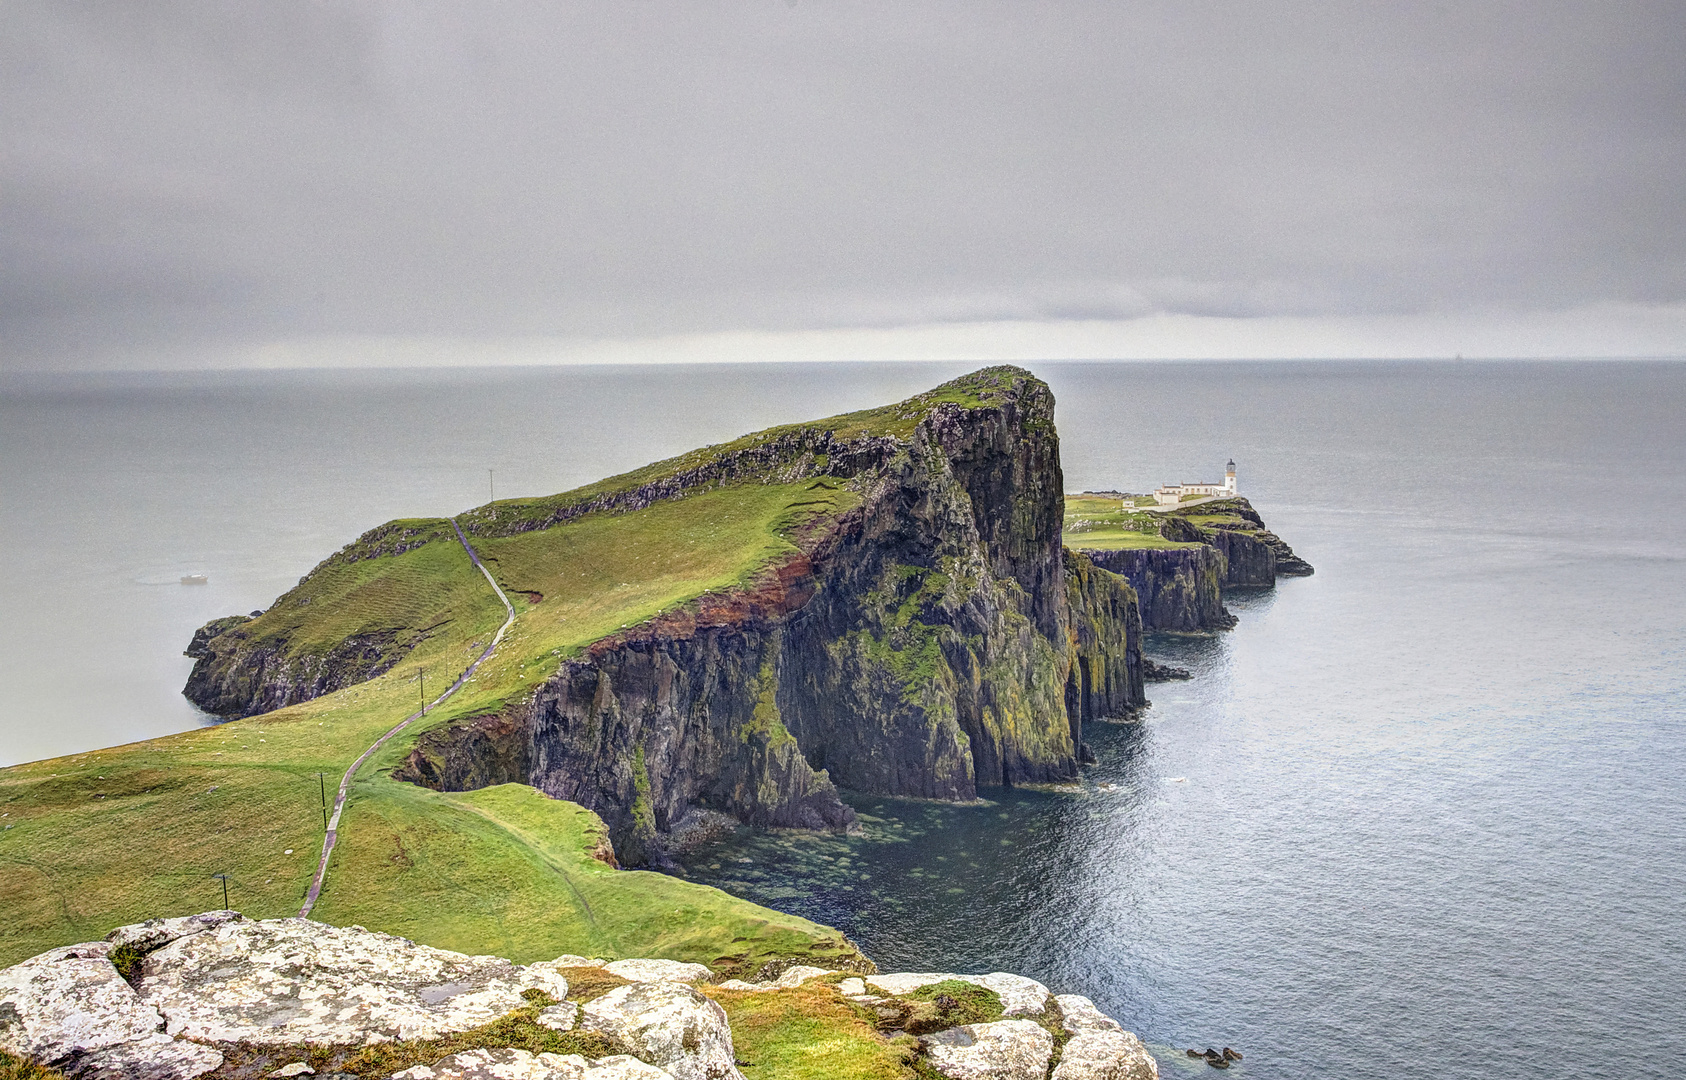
(1099, 1048)
(1003, 1050)
(70, 1009)
(291, 981)
(669, 1025)
(1105, 1055)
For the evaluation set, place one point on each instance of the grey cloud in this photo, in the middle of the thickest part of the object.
(181, 170)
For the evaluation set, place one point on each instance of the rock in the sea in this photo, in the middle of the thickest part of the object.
(70, 1009)
(669, 1025)
(290, 981)
(521, 1065)
(1019, 996)
(1100, 1054)
(644, 971)
(1003, 1050)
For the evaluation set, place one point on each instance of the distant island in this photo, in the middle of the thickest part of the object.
(901, 601)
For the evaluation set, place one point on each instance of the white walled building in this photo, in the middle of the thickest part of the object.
(1172, 494)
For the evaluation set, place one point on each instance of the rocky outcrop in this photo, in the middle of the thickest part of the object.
(933, 641)
(1003, 1050)
(240, 674)
(669, 1025)
(1247, 560)
(1180, 590)
(208, 988)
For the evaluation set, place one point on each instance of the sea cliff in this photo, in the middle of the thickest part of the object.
(922, 633)
(1181, 561)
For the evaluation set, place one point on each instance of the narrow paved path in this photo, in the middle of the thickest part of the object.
(332, 835)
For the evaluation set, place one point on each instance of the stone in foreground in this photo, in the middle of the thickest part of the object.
(288, 980)
(1004, 1050)
(669, 1025)
(521, 1065)
(1105, 1055)
(70, 1009)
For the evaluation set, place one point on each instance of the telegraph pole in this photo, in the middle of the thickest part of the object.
(322, 783)
(493, 492)
(421, 677)
(224, 878)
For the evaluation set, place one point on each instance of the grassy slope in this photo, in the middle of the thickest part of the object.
(1100, 523)
(95, 840)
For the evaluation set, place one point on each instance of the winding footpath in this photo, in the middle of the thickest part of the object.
(332, 835)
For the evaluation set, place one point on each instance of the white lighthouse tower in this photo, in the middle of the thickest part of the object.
(1229, 477)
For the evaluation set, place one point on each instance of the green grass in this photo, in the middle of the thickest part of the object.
(1101, 523)
(16, 1068)
(128, 833)
(810, 1033)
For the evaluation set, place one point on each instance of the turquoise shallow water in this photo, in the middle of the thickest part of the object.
(1420, 815)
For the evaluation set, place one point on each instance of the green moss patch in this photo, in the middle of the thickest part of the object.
(810, 1033)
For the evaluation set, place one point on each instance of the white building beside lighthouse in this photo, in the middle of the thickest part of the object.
(1172, 494)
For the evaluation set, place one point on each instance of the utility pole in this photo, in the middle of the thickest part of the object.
(322, 783)
(421, 677)
(493, 492)
(224, 878)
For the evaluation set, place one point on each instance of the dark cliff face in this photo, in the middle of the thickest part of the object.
(1180, 589)
(1247, 561)
(933, 641)
(1105, 680)
(237, 676)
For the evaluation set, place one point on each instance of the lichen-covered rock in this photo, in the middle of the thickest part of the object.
(1078, 1013)
(522, 1065)
(1019, 996)
(561, 1017)
(156, 933)
(291, 981)
(1098, 1054)
(790, 978)
(657, 971)
(1003, 1050)
(70, 1009)
(668, 1025)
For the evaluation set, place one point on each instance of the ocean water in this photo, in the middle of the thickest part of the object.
(1419, 815)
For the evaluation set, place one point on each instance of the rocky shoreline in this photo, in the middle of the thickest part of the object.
(220, 996)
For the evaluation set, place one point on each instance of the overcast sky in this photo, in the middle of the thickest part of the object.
(341, 182)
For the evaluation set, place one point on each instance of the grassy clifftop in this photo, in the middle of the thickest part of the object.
(113, 836)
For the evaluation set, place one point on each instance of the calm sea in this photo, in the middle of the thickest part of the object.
(1421, 815)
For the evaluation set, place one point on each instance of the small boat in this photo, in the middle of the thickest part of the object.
(195, 579)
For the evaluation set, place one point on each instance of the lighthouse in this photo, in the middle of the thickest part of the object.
(1229, 477)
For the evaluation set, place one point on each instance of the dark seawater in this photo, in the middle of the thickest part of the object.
(1419, 815)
